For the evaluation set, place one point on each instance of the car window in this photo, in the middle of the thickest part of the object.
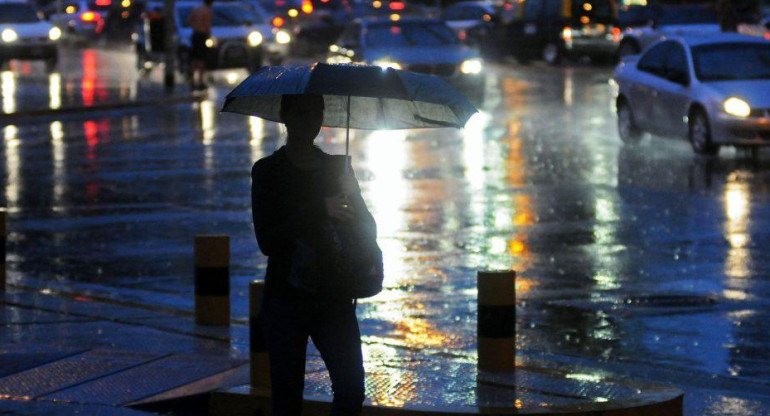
(686, 15)
(17, 13)
(675, 65)
(350, 36)
(532, 9)
(553, 9)
(731, 61)
(389, 34)
(230, 15)
(653, 60)
(452, 13)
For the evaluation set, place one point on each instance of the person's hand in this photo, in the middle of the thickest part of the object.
(339, 208)
(348, 184)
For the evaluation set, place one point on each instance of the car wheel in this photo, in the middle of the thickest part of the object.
(628, 131)
(552, 53)
(699, 133)
(628, 48)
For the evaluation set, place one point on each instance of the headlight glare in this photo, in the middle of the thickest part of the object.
(9, 35)
(386, 63)
(471, 66)
(283, 37)
(255, 38)
(737, 107)
(54, 33)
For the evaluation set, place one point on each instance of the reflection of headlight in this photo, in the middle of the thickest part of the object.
(9, 35)
(471, 66)
(54, 33)
(282, 37)
(211, 42)
(384, 64)
(255, 38)
(737, 107)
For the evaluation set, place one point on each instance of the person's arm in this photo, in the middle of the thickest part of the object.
(276, 229)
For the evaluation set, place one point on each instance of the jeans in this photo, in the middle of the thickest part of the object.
(333, 327)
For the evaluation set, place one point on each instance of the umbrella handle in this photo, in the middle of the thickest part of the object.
(347, 138)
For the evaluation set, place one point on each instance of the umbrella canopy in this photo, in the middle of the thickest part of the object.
(355, 96)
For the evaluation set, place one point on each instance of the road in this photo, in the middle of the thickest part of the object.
(639, 261)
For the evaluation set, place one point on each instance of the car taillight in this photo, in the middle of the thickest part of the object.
(307, 7)
(278, 21)
(103, 3)
(767, 35)
(616, 34)
(396, 5)
(566, 34)
(89, 16)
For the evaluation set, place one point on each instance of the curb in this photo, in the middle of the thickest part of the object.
(15, 117)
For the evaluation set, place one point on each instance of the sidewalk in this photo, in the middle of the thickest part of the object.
(99, 351)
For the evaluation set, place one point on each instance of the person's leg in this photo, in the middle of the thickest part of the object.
(283, 325)
(335, 333)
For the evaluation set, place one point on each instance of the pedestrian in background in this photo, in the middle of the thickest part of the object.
(293, 191)
(200, 22)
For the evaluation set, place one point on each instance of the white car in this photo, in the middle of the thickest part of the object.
(713, 90)
(240, 37)
(23, 35)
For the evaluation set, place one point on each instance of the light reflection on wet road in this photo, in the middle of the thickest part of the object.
(643, 260)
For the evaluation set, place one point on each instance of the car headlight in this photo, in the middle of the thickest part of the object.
(471, 66)
(54, 33)
(737, 107)
(211, 42)
(283, 37)
(386, 63)
(9, 35)
(255, 38)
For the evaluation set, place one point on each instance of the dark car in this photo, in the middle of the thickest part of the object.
(474, 22)
(555, 29)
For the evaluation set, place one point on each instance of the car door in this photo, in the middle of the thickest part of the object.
(673, 98)
(643, 83)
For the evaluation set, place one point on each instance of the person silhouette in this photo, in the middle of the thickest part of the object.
(293, 191)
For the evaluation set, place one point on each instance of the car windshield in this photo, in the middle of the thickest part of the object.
(732, 61)
(224, 15)
(382, 35)
(687, 16)
(17, 13)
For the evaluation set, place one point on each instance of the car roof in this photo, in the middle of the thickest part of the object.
(716, 38)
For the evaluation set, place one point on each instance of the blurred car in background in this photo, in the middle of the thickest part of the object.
(415, 44)
(474, 22)
(24, 35)
(669, 20)
(634, 16)
(319, 23)
(555, 29)
(712, 89)
(240, 38)
(79, 19)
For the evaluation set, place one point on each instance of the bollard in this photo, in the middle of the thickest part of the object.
(260, 362)
(2, 249)
(496, 320)
(212, 280)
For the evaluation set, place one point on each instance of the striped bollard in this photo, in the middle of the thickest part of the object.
(212, 280)
(497, 320)
(2, 249)
(260, 362)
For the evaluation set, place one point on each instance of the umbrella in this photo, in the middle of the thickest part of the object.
(357, 96)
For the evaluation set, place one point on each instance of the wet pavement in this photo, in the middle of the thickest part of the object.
(643, 262)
